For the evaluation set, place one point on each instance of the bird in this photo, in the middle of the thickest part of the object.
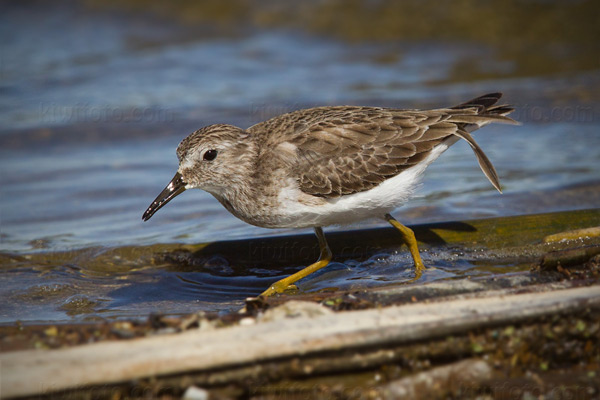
(327, 166)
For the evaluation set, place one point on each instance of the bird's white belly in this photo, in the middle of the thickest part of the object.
(373, 203)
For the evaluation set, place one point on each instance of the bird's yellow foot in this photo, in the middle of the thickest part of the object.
(286, 284)
(410, 240)
(280, 287)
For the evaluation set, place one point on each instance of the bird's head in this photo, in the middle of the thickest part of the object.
(214, 158)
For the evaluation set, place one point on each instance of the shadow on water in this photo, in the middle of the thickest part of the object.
(132, 282)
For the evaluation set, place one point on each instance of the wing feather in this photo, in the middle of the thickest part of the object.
(345, 150)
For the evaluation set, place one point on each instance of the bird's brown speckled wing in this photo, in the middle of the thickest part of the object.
(345, 150)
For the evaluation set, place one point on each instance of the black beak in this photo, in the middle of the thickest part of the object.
(175, 187)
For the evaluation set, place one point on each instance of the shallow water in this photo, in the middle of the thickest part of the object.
(94, 101)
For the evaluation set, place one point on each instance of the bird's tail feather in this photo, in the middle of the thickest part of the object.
(486, 112)
(484, 162)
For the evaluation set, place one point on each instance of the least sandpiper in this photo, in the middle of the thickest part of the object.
(327, 165)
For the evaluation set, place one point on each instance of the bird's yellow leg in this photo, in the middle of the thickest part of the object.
(324, 259)
(409, 238)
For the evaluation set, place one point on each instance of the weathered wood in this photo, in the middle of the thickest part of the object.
(44, 371)
(439, 382)
(568, 257)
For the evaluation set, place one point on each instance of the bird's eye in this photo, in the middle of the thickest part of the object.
(210, 155)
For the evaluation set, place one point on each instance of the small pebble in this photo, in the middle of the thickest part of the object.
(196, 393)
(247, 321)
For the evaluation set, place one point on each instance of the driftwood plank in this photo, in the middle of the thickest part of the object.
(35, 372)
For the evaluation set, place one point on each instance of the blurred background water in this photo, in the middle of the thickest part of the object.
(96, 95)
